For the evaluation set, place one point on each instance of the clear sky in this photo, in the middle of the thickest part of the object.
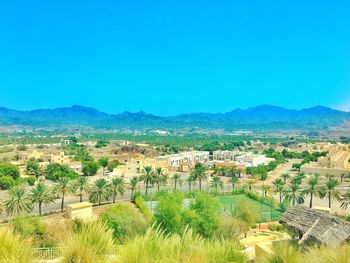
(169, 57)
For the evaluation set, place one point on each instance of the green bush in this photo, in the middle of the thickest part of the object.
(125, 221)
(169, 213)
(6, 182)
(31, 180)
(29, 227)
(7, 169)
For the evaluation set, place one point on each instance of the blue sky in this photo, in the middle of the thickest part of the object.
(169, 57)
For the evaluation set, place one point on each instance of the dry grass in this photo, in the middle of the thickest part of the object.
(157, 247)
(13, 248)
(93, 243)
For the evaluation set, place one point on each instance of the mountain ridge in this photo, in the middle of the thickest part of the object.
(259, 117)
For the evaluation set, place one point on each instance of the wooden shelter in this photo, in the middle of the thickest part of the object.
(316, 226)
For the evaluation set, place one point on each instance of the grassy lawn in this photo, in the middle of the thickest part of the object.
(266, 212)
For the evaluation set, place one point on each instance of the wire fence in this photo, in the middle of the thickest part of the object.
(49, 253)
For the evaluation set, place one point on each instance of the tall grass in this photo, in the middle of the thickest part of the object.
(283, 253)
(339, 254)
(157, 247)
(92, 243)
(13, 248)
(287, 253)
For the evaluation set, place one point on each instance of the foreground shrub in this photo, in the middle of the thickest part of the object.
(29, 227)
(6, 182)
(156, 246)
(13, 248)
(125, 221)
(93, 243)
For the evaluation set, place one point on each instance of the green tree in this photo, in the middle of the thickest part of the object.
(190, 179)
(199, 172)
(63, 187)
(203, 216)
(7, 169)
(330, 192)
(33, 168)
(160, 172)
(313, 189)
(278, 184)
(233, 180)
(112, 165)
(294, 194)
(118, 187)
(285, 177)
(216, 183)
(80, 186)
(176, 179)
(54, 171)
(42, 194)
(345, 200)
(100, 191)
(103, 162)
(134, 181)
(148, 176)
(168, 213)
(90, 168)
(18, 201)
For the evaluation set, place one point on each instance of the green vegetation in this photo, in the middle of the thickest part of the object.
(7, 169)
(155, 246)
(90, 168)
(92, 243)
(55, 171)
(101, 144)
(13, 248)
(125, 221)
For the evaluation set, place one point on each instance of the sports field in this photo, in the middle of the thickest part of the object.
(266, 212)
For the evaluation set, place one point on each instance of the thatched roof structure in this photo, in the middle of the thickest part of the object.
(317, 226)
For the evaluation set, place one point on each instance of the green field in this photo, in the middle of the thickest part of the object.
(266, 212)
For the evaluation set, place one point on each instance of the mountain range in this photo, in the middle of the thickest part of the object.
(264, 117)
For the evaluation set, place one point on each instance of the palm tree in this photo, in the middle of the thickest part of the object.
(216, 182)
(18, 202)
(63, 186)
(294, 195)
(160, 173)
(148, 176)
(199, 172)
(233, 181)
(313, 189)
(176, 179)
(42, 194)
(266, 189)
(100, 191)
(345, 200)
(118, 186)
(250, 184)
(80, 186)
(134, 181)
(232, 171)
(2, 208)
(330, 192)
(190, 180)
(285, 176)
(278, 183)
